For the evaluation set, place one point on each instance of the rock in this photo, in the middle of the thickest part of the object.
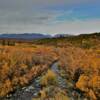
(27, 90)
(75, 94)
(30, 87)
(23, 88)
(35, 94)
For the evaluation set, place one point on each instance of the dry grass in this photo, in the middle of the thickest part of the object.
(19, 65)
(78, 62)
(49, 78)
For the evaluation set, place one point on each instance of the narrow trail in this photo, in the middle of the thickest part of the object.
(32, 91)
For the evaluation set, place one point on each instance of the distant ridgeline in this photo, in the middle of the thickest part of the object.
(74, 39)
(93, 35)
(11, 39)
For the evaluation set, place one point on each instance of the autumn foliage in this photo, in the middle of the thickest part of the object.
(80, 60)
(18, 66)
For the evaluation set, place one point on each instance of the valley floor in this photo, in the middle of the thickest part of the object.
(59, 71)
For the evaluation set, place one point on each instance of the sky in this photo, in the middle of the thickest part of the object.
(50, 16)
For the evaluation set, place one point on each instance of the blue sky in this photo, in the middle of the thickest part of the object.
(50, 16)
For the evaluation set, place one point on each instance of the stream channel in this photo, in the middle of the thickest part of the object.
(32, 91)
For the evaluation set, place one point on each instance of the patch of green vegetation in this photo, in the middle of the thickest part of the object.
(85, 41)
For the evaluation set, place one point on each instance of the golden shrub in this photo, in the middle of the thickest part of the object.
(82, 83)
(5, 88)
(49, 78)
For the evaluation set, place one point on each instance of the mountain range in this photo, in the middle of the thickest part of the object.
(26, 36)
(31, 36)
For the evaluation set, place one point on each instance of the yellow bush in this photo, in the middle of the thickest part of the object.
(5, 88)
(43, 94)
(49, 78)
(60, 96)
(95, 82)
(82, 83)
(92, 95)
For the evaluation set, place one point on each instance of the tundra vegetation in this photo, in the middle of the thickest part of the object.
(78, 59)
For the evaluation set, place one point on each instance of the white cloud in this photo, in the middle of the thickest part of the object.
(32, 16)
(75, 27)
